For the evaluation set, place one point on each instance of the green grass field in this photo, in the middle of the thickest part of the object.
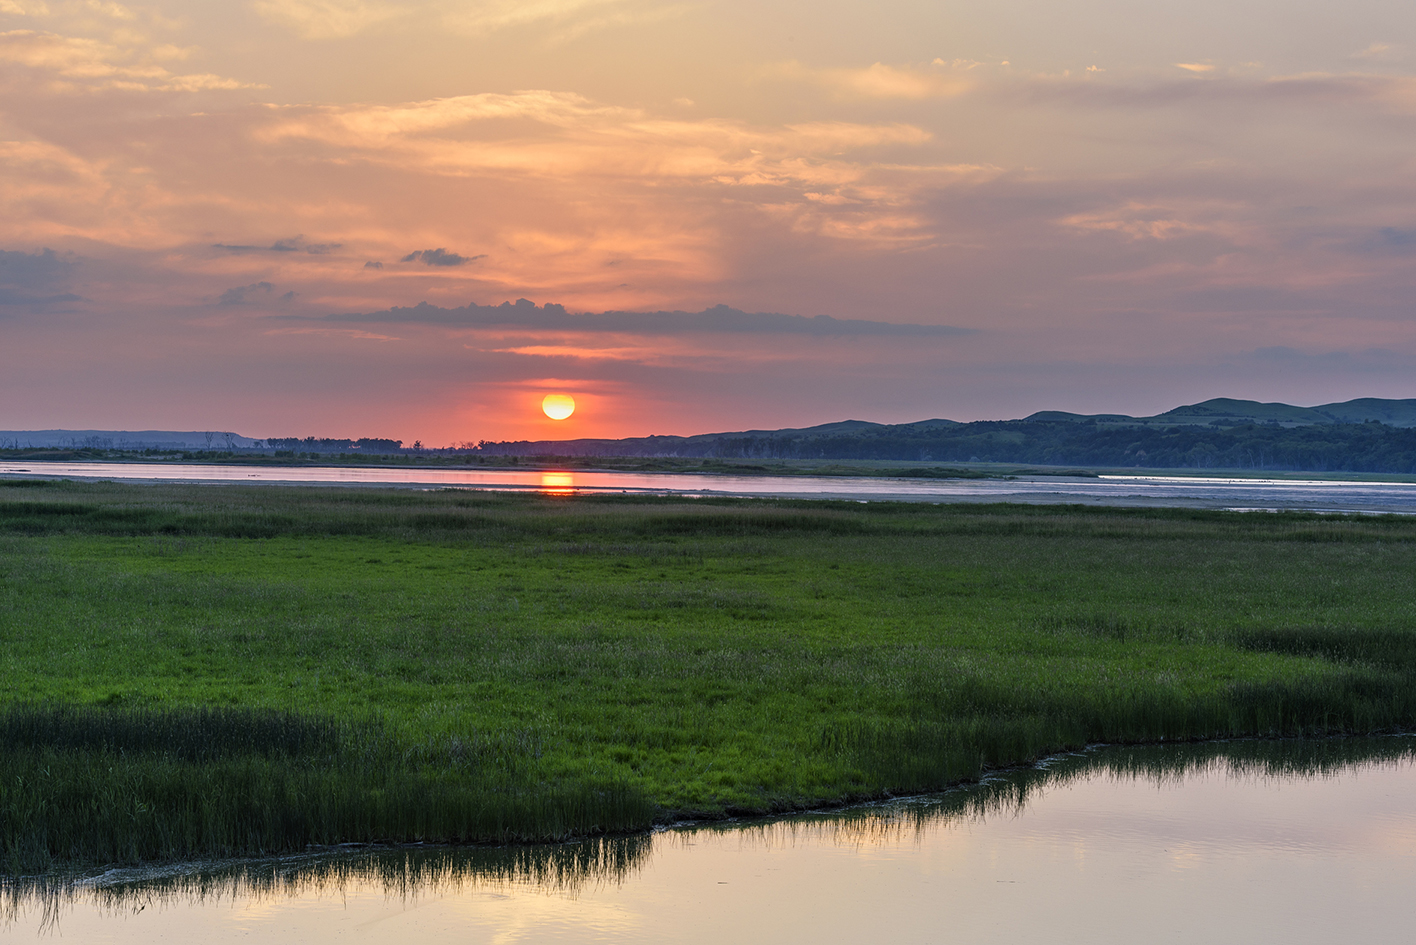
(485, 667)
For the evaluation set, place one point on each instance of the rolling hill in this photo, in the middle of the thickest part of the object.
(1366, 435)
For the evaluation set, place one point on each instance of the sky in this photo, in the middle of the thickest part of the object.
(415, 219)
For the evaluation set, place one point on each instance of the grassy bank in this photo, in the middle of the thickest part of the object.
(488, 667)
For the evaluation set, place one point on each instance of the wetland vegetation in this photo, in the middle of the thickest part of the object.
(195, 671)
(414, 871)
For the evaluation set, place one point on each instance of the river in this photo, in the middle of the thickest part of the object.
(1213, 492)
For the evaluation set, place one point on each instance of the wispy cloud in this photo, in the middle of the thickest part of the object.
(24, 7)
(87, 62)
(1096, 86)
(1389, 92)
(338, 19)
(1146, 221)
(825, 178)
(334, 332)
(880, 81)
(570, 16)
(574, 135)
(1378, 52)
(328, 19)
(1382, 92)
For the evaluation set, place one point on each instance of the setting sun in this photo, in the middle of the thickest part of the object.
(558, 406)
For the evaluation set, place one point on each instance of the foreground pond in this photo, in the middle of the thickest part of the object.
(1236, 842)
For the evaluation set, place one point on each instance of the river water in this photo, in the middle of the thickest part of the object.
(1293, 842)
(1183, 491)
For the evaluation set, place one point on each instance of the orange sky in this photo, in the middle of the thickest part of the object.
(1101, 206)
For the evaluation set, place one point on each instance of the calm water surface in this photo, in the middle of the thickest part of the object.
(1247, 842)
(1105, 490)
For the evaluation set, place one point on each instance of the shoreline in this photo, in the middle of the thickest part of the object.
(968, 791)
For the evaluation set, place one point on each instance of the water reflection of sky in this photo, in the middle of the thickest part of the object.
(1100, 855)
(1201, 492)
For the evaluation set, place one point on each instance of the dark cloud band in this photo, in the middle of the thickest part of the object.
(440, 257)
(296, 244)
(551, 317)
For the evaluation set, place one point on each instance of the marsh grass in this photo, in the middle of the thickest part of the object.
(1390, 647)
(927, 754)
(184, 734)
(131, 785)
(475, 666)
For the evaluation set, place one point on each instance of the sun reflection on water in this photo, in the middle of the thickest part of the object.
(557, 483)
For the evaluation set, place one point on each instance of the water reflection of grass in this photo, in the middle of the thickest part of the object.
(433, 871)
(534, 667)
(1007, 793)
(405, 873)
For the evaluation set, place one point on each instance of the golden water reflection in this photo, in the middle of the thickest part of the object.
(557, 483)
(1295, 841)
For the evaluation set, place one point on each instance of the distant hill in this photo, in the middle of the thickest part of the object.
(1367, 435)
(1394, 413)
(1225, 412)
